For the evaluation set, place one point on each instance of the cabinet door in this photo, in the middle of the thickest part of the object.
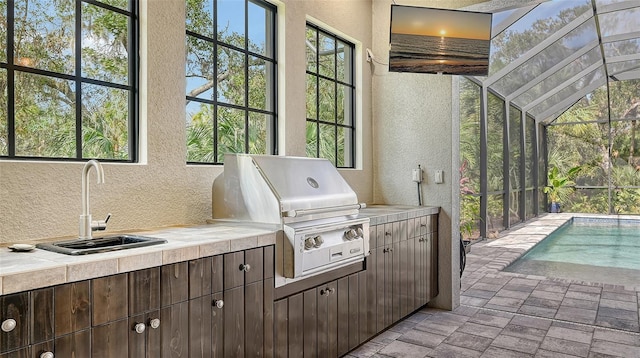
(233, 270)
(404, 254)
(109, 298)
(371, 295)
(254, 301)
(269, 294)
(174, 330)
(295, 313)
(354, 311)
(310, 323)
(21, 353)
(395, 282)
(254, 265)
(200, 277)
(200, 312)
(42, 322)
(108, 340)
(144, 343)
(72, 307)
(420, 274)
(281, 327)
(77, 344)
(144, 291)
(432, 245)
(381, 303)
(343, 312)
(327, 299)
(217, 325)
(234, 321)
(174, 283)
(14, 307)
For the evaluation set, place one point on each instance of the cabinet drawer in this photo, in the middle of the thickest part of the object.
(14, 311)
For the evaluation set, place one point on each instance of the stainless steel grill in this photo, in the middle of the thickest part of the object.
(317, 209)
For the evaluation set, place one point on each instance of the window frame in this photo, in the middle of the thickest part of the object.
(351, 145)
(272, 129)
(133, 30)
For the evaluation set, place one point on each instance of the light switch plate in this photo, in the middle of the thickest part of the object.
(439, 177)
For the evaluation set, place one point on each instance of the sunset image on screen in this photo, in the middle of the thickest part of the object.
(439, 41)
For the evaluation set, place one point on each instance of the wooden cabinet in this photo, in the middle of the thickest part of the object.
(322, 321)
(14, 318)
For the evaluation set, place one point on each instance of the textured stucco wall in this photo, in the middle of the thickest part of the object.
(414, 123)
(42, 199)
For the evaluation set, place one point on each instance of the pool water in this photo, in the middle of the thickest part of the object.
(589, 249)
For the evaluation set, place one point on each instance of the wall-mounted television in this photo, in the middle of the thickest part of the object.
(443, 41)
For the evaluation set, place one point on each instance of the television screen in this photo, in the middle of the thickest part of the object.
(428, 40)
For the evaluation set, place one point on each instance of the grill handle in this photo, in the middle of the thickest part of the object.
(305, 212)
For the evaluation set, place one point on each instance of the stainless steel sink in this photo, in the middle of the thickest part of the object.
(102, 244)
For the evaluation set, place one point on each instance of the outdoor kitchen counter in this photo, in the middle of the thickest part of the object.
(21, 271)
(381, 214)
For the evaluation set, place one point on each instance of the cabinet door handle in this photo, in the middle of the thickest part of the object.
(218, 303)
(140, 327)
(154, 323)
(245, 267)
(46, 355)
(8, 325)
(387, 233)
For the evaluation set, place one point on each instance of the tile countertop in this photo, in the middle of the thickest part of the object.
(21, 271)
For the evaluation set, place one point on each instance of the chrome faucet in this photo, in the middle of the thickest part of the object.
(86, 224)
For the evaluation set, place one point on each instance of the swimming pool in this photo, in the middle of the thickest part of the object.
(603, 250)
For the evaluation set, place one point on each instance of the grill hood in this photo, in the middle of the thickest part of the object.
(276, 189)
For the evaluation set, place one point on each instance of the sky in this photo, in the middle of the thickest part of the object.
(440, 22)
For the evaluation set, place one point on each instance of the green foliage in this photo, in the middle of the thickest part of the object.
(560, 185)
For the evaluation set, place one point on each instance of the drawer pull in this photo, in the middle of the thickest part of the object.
(46, 355)
(9, 325)
(154, 323)
(218, 303)
(245, 267)
(140, 328)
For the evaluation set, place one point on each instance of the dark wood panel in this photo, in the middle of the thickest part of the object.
(217, 273)
(217, 326)
(39, 348)
(144, 290)
(22, 353)
(153, 343)
(281, 332)
(354, 311)
(411, 274)
(255, 259)
(200, 277)
(77, 344)
(234, 321)
(433, 284)
(72, 306)
(296, 326)
(16, 307)
(380, 235)
(174, 283)
(108, 341)
(333, 317)
(200, 327)
(42, 315)
(373, 238)
(388, 286)
(317, 280)
(174, 330)
(381, 301)
(109, 298)
(322, 294)
(420, 274)
(310, 312)
(269, 291)
(404, 278)
(397, 237)
(372, 295)
(388, 234)
(233, 274)
(343, 311)
(363, 307)
(395, 279)
(137, 341)
(254, 319)
(411, 228)
(269, 261)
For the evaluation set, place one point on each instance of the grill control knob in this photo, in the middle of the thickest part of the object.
(318, 241)
(350, 234)
(360, 232)
(309, 243)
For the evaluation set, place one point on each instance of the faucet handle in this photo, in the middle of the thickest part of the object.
(100, 225)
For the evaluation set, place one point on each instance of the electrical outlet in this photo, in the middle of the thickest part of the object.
(416, 175)
(439, 177)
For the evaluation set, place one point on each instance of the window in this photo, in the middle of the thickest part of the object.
(231, 79)
(330, 87)
(68, 78)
